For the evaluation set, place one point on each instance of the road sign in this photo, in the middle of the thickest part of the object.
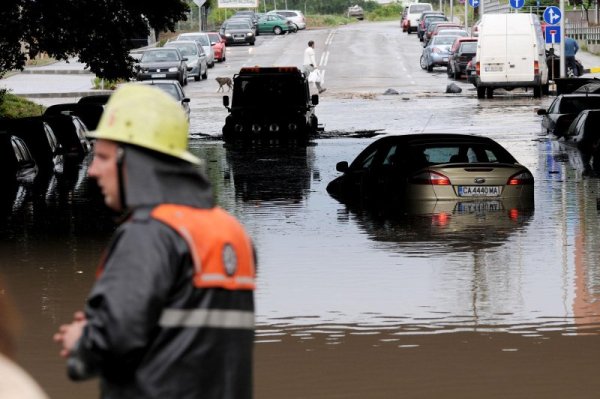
(552, 15)
(553, 34)
(474, 3)
(199, 3)
(517, 3)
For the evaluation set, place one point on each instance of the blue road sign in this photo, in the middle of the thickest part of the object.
(517, 3)
(474, 3)
(552, 15)
(553, 34)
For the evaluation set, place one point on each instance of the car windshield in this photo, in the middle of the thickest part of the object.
(201, 39)
(443, 40)
(574, 105)
(186, 49)
(241, 26)
(214, 37)
(469, 47)
(269, 91)
(170, 89)
(160, 56)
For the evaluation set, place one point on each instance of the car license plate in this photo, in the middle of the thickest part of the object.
(478, 206)
(493, 67)
(479, 191)
(159, 75)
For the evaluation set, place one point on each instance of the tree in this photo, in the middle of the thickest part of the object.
(99, 32)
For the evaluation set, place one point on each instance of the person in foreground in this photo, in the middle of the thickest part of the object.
(171, 314)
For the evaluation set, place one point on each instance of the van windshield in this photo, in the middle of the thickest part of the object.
(415, 8)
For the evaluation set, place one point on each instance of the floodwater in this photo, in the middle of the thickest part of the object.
(461, 302)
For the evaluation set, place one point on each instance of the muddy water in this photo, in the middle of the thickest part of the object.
(353, 303)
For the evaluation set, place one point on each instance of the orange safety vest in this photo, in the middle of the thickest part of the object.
(220, 248)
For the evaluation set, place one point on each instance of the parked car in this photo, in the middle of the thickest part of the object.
(585, 135)
(250, 14)
(16, 162)
(218, 45)
(204, 41)
(71, 134)
(564, 109)
(356, 11)
(163, 63)
(246, 18)
(432, 26)
(40, 140)
(296, 16)
(276, 24)
(237, 32)
(462, 51)
(413, 13)
(433, 167)
(444, 27)
(437, 52)
(426, 18)
(173, 88)
(89, 113)
(197, 61)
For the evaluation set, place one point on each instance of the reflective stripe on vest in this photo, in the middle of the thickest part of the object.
(220, 248)
(235, 319)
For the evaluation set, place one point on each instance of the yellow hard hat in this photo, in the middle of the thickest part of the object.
(147, 117)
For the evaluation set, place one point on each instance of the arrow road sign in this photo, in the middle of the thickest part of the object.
(474, 3)
(552, 15)
(517, 3)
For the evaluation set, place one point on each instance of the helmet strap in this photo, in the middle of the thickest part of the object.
(121, 175)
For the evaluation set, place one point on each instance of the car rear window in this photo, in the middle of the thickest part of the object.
(469, 47)
(415, 8)
(464, 153)
(443, 40)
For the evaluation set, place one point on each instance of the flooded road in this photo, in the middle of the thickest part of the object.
(459, 302)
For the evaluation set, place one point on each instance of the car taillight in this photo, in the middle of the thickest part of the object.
(440, 219)
(513, 214)
(430, 177)
(477, 68)
(536, 67)
(520, 179)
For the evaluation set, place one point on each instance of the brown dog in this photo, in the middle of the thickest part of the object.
(224, 81)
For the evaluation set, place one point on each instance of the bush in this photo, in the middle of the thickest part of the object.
(108, 84)
(12, 106)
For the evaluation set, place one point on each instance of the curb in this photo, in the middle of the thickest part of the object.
(63, 94)
(57, 71)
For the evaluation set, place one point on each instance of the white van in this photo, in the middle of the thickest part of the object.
(413, 13)
(510, 53)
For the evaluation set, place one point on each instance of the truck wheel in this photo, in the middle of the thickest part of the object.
(481, 92)
(490, 92)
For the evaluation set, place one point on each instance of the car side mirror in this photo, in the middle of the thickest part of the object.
(185, 58)
(542, 111)
(189, 68)
(341, 166)
(185, 100)
(226, 101)
(314, 99)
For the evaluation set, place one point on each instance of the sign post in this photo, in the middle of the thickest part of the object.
(553, 16)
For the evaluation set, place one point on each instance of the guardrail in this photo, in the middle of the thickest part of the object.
(591, 35)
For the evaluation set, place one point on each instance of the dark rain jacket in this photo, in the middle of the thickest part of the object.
(146, 271)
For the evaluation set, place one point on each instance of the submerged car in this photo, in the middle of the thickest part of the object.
(564, 109)
(433, 167)
(163, 63)
(174, 89)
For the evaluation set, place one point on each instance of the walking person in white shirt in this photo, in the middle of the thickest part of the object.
(310, 64)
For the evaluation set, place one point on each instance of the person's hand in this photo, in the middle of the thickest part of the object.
(69, 334)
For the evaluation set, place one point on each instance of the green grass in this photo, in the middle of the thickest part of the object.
(12, 106)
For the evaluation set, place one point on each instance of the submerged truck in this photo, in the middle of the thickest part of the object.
(511, 53)
(271, 105)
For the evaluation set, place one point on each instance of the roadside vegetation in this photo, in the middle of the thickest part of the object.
(12, 106)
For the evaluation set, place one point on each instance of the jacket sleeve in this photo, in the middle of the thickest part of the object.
(127, 300)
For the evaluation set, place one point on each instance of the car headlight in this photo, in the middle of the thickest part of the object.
(228, 34)
(173, 69)
(249, 34)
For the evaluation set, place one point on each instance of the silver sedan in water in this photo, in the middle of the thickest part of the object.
(437, 51)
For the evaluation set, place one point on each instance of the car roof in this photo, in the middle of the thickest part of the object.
(424, 138)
